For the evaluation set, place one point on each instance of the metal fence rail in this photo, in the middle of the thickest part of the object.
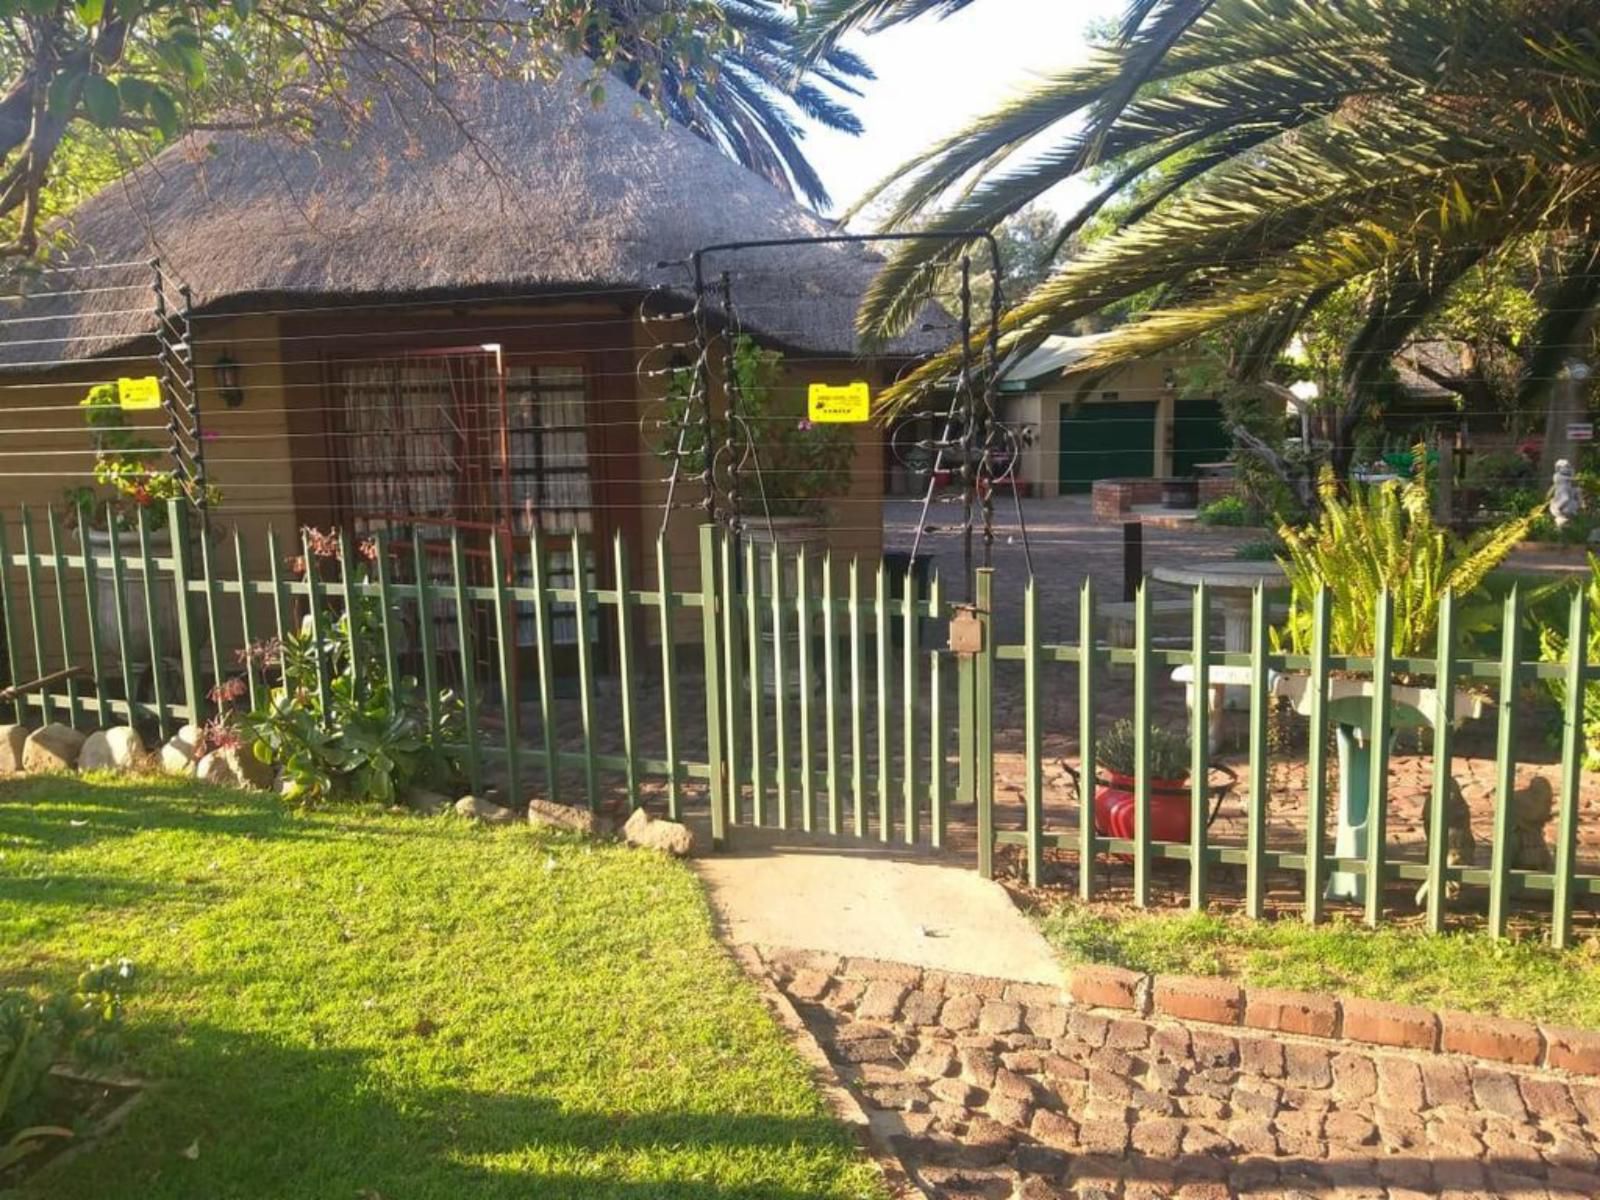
(840, 699)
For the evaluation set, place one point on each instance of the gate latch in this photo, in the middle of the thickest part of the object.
(966, 630)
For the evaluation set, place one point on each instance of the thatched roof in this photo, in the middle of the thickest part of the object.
(541, 191)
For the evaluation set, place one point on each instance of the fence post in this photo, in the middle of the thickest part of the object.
(1317, 758)
(8, 620)
(505, 624)
(1381, 730)
(1443, 720)
(711, 628)
(1199, 748)
(178, 521)
(1143, 669)
(1032, 739)
(1086, 732)
(1572, 753)
(983, 733)
(1505, 765)
(1256, 816)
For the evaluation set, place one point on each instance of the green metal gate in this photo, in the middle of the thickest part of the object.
(831, 705)
(1199, 435)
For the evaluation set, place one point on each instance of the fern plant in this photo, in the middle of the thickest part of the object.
(1384, 537)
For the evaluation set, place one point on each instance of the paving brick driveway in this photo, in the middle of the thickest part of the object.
(1005, 1091)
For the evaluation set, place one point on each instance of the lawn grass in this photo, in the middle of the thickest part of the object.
(354, 1005)
(1466, 971)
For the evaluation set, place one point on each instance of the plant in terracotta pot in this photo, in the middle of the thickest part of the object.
(1363, 542)
(1116, 754)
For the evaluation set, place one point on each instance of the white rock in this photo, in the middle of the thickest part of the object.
(117, 749)
(178, 755)
(483, 810)
(236, 767)
(215, 769)
(12, 739)
(427, 803)
(668, 836)
(250, 770)
(53, 748)
(550, 815)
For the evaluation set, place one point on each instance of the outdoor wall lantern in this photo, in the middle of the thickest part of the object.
(229, 381)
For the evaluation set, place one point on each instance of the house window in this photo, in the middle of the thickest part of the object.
(431, 447)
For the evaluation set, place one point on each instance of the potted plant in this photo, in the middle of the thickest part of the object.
(1116, 756)
(1371, 538)
(772, 465)
(786, 466)
(127, 484)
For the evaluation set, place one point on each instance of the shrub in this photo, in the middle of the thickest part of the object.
(789, 466)
(1499, 472)
(1226, 511)
(1169, 751)
(371, 739)
(1261, 550)
(1377, 537)
(35, 1035)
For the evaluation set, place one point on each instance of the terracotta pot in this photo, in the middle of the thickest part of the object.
(1169, 808)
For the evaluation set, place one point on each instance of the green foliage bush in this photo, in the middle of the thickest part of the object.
(1384, 536)
(1226, 511)
(787, 465)
(35, 1035)
(1261, 550)
(370, 739)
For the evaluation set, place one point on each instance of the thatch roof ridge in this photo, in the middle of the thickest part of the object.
(540, 190)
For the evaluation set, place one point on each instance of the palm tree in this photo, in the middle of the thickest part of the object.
(1278, 151)
(744, 99)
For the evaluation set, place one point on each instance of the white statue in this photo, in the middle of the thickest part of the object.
(1566, 498)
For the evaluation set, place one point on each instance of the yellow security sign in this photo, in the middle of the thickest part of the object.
(839, 404)
(144, 392)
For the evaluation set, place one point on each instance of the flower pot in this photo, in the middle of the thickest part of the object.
(1114, 808)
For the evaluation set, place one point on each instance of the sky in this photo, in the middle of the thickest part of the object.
(934, 76)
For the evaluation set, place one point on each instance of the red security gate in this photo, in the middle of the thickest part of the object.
(471, 441)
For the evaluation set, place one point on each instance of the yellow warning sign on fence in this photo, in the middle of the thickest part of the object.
(144, 392)
(839, 404)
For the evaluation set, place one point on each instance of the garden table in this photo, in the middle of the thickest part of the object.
(1232, 584)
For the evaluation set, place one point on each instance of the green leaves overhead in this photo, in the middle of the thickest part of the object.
(1256, 152)
(127, 74)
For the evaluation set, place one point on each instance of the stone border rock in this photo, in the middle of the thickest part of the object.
(1370, 1022)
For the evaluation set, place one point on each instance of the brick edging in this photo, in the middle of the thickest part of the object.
(1368, 1022)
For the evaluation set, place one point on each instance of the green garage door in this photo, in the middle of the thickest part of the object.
(1198, 436)
(1106, 441)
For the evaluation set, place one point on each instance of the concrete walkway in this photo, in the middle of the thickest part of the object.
(871, 903)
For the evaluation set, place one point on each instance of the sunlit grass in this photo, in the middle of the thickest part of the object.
(356, 1005)
(1465, 971)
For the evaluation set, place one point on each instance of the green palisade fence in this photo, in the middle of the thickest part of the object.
(813, 694)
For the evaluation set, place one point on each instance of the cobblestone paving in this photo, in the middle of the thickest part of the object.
(984, 1089)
